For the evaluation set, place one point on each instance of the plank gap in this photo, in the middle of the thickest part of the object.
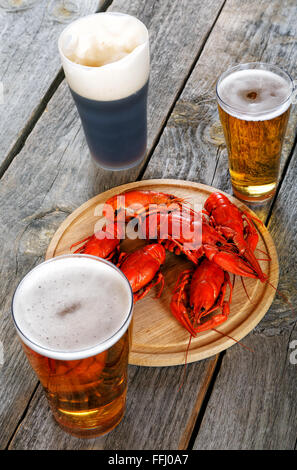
(103, 5)
(29, 126)
(216, 164)
(22, 416)
(205, 400)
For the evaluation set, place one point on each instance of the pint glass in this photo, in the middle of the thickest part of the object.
(72, 315)
(254, 105)
(105, 57)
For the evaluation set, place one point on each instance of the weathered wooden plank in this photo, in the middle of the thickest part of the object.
(253, 404)
(53, 174)
(29, 64)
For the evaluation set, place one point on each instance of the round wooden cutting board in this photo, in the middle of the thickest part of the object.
(157, 337)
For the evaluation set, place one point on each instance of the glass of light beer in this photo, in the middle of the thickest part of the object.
(106, 61)
(254, 103)
(72, 315)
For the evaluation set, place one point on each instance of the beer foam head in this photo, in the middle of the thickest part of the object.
(105, 56)
(254, 94)
(72, 307)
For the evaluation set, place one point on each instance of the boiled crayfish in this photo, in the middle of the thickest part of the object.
(198, 292)
(133, 203)
(142, 269)
(237, 227)
(104, 243)
(226, 243)
(184, 232)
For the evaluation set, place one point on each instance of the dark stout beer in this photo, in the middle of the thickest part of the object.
(72, 314)
(116, 131)
(254, 107)
(106, 62)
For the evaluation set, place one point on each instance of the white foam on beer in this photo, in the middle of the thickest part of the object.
(237, 92)
(105, 56)
(72, 307)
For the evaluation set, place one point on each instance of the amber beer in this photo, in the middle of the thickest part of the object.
(254, 106)
(72, 315)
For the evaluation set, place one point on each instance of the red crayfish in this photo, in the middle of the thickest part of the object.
(237, 227)
(135, 202)
(226, 243)
(184, 232)
(142, 269)
(198, 292)
(105, 243)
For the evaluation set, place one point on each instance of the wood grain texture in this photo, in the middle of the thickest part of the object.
(53, 174)
(29, 64)
(252, 405)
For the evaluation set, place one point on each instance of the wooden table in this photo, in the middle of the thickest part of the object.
(237, 399)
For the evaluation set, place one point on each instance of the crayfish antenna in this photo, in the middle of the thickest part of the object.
(188, 348)
(245, 289)
(264, 252)
(186, 363)
(80, 242)
(236, 341)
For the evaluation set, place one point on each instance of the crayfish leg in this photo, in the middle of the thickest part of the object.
(180, 299)
(216, 320)
(160, 280)
(84, 241)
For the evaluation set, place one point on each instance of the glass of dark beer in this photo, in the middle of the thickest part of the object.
(106, 61)
(72, 315)
(254, 103)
